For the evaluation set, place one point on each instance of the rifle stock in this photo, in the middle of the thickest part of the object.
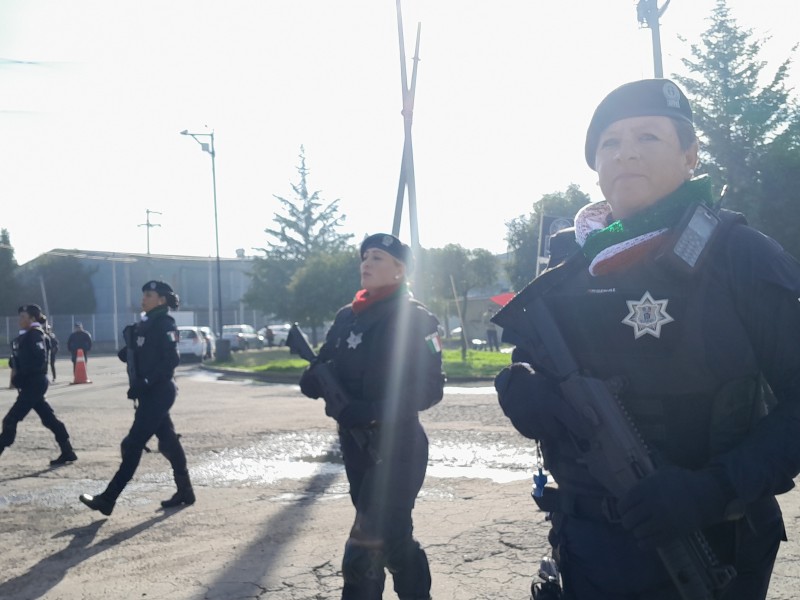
(615, 454)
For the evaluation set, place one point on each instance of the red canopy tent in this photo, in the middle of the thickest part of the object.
(503, 299)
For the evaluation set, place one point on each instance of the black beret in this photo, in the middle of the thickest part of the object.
(160, 287)
(34, 310)
(645, 98)
(392, 245)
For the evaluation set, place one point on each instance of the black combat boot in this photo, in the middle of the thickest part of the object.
(102, 502)
(184, 495)
(67, 455)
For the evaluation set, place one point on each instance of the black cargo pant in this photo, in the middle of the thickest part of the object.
(382, 535)
(151, 418)
(31, 397)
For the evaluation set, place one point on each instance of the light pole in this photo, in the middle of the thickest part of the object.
(210, 149)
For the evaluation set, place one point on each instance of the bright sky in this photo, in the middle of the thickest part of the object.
(89, 133)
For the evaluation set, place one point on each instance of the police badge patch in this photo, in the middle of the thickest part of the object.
(647, 316)
(353, 340)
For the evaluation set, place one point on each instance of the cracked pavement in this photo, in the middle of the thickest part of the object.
(267, 523)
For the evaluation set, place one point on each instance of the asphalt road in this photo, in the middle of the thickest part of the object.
(272, 512)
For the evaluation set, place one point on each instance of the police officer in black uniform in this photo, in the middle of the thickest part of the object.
(384, 348)
(155, 356)
(684, 344)
(29, 363)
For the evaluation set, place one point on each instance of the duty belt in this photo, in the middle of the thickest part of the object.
(582, 506)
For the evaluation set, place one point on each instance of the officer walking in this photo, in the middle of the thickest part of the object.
(151, 352)
(53, 341)
(29, 363)
(384, 349)
(681, 311)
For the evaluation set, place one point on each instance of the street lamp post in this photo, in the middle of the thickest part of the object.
(210, 149)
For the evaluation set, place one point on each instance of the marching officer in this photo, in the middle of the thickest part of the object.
(29, 363)
(151, 352)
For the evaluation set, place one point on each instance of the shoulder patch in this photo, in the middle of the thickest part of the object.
(434, 343)
(173, 336)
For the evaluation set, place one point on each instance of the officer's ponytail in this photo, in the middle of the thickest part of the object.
(173, 301)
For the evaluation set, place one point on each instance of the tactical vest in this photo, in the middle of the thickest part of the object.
(691, 383)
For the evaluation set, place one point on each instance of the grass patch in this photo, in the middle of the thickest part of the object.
(479, 364)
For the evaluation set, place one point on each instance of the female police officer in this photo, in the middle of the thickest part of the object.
(29, 362)
(384, 350)
(684, 316)
(152, 345)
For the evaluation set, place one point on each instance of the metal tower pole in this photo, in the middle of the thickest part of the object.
(407, 177)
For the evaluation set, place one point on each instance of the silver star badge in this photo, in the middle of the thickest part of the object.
(353, 340)
(647, 316)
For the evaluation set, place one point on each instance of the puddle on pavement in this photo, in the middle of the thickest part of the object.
(315, 456)
(311, 454)
(303, 455)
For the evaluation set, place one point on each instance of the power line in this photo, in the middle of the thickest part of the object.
(149, 225)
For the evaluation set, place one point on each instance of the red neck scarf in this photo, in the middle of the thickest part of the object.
(363, 299)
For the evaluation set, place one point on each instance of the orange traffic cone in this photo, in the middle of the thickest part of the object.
(80, 369)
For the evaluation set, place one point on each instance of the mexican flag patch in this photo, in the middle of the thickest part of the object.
(434, 343)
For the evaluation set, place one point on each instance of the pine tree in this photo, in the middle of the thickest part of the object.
(738, 110)
(306, 228)
(9, 286)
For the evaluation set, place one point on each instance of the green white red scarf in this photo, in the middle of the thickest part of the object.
(611, 246)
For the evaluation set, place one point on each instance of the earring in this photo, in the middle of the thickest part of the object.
(691, 173)
(397, 276)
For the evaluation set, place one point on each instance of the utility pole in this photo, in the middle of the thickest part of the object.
(407, 178)
(648, 13)
(149, 225)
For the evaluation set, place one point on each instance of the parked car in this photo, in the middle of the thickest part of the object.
(242, 337)
(191, 343)
(280, 333)
(211, 342)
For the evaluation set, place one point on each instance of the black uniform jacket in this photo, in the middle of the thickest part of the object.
(387, 357)
(156, 350)
(79, 340)
(29, 356)
(692, 350)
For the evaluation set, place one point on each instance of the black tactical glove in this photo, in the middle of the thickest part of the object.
(673, 502)
(309, 384)
(137, 389)
(357, 414)
(531, 401)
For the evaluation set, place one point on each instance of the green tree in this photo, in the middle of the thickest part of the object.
(66, 282)
(523, 232)
(9, 287)
(739, 110)
(456, 267)
(322, 285)
(305, 227)
(780, 205)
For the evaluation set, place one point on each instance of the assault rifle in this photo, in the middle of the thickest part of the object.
(614, 452)
(335, 397)
(129, 335)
